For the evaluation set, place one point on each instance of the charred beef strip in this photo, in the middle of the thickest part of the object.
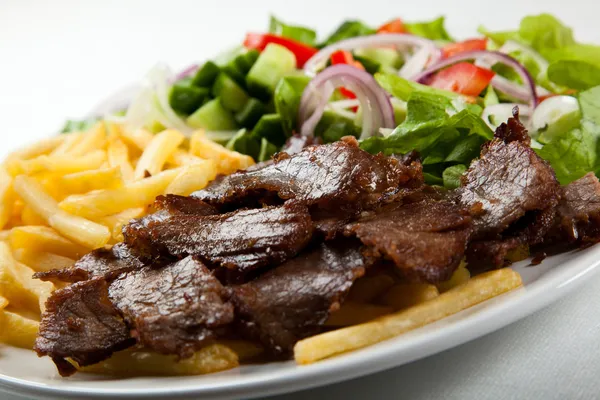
(426, 240)
(186, 205)
(293, 301)
(174, 309)
(237, 243)
(81, 323)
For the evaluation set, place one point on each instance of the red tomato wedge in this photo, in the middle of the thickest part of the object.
(461, 47)
(345, 57)
(464, 78)
(394, 26)
(260, 40)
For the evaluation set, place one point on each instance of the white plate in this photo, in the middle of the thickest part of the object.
(23, 373)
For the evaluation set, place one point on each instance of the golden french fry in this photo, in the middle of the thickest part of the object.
(139, 138)
(213, 358)
(29, 217)
(460, 276)
(404, 295)
(64, 163)
(245, 349)
(42, 290)
(3, 302)
(180, 158)
(17, 330)
(476, 290)
(368, 288)
(95, 179)
(38, 148)
(518, 254)
(156, 153)
(106, 202)
(118, 156)
(44, 239)
(78, 229)
(227, 161)
(91, 140)
(42, 261)
(71, 140)
(13, 286)
(6, 197)
(115, 222)
(193, 177)
(5, 234)
(352, 313)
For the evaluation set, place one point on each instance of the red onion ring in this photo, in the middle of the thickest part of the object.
(527, 93)
(376, 107)
(390, 39)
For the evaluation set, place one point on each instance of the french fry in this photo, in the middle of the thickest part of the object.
(478, 289)
(3, 303)
(41, 289)
(213, 358)
(42, 261)
(352, 313)
(78, 229)
(95, 179)
(13, 287)
(115, 222)
(64, 163)
(106, 202)
(118, 156)
(6, 197)
(460, 276)
(181, 158)
(517, 254)
(156, 153)
(17, 330)
(139, 138)
(71, 140)
(193, 177)
(368, 288)
(44, 239)
(29, 217)
(91, 140)
(244, 349)
(404, 295)
(38, 148)
(5, 234)
(227, 161)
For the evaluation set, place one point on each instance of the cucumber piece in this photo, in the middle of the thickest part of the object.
(243, 142)
(333, 127)
(221, 137)
(232, 96)
(273, 64)
(245, 61)
(235, 73)
(287, 100)
(251, 113)
(269, 127)
(185, 98)
(382, 56)
(212, 116)
(371, 66)
(266, 150)
(206, 75)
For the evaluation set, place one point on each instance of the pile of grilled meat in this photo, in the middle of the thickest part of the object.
(268, 253)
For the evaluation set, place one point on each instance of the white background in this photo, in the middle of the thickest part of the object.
(59, 58)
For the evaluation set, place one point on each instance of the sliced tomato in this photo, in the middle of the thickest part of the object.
(260, 40)
(345, 57)
(461, 47)
(394, 26)
(464, 78)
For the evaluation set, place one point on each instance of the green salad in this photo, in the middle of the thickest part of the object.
(398, 87)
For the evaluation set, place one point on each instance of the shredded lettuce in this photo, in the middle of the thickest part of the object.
(433, 30)
(451, 176)
(298, 33)
(74, 125)
(288, 93)
(347, 30)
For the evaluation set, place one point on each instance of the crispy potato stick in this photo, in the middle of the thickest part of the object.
(478, 289)
(181, 158)
(29, 217)
(106, 202)
(43, 146)
(227, 161)
(245, 349)
(17, 330)
(3, 302)
(368, 288)
(64, 163)
(78, 229)
(193, 177)
(115, 222)
(71, 140)
(139, 138)
(460, 276)
(95, 179)
(6, 197)
(42, 261)
(518, 254)
(118, 156)
(5, 234)
(213, 358)
(156, 153)
(42, 290)
(44, 239)
(93, 139)
(13, 286)
(405, 295)
(352, 313)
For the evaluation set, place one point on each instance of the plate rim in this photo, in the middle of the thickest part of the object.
(551, 286)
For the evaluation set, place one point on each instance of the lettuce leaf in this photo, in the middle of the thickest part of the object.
(451, 176)
(298, 33)
(579, 75)
(286, 97)
(433, 30)
(347, 30)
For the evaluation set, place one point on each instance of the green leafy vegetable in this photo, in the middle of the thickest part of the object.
(74, 125)
(267, 149)
(347, 30)
(243, 142)
(287, 100)
(299, 33)
(490, 98)
(451, 176)
(579, 75)
(433, 30)
(545, 33)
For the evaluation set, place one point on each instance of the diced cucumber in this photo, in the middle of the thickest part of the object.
(334, 126)
(273, 64)
(287, 100)
(243, 142)
(232, 96)
(221, 137)
(266, 150)
(235, 73)
(251, 113)
(269, 127)
(245, 61)
(206, 75)
(212, 116)
(185, 98)
(382, 56)
(371, 66)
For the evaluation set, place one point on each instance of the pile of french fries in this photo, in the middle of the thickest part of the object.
(67, 195)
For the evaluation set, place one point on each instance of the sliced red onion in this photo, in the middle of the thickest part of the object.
(376, 107)
(399, 40)
(526, 93)
(343, 104)
(416, 63)
(503, 112)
